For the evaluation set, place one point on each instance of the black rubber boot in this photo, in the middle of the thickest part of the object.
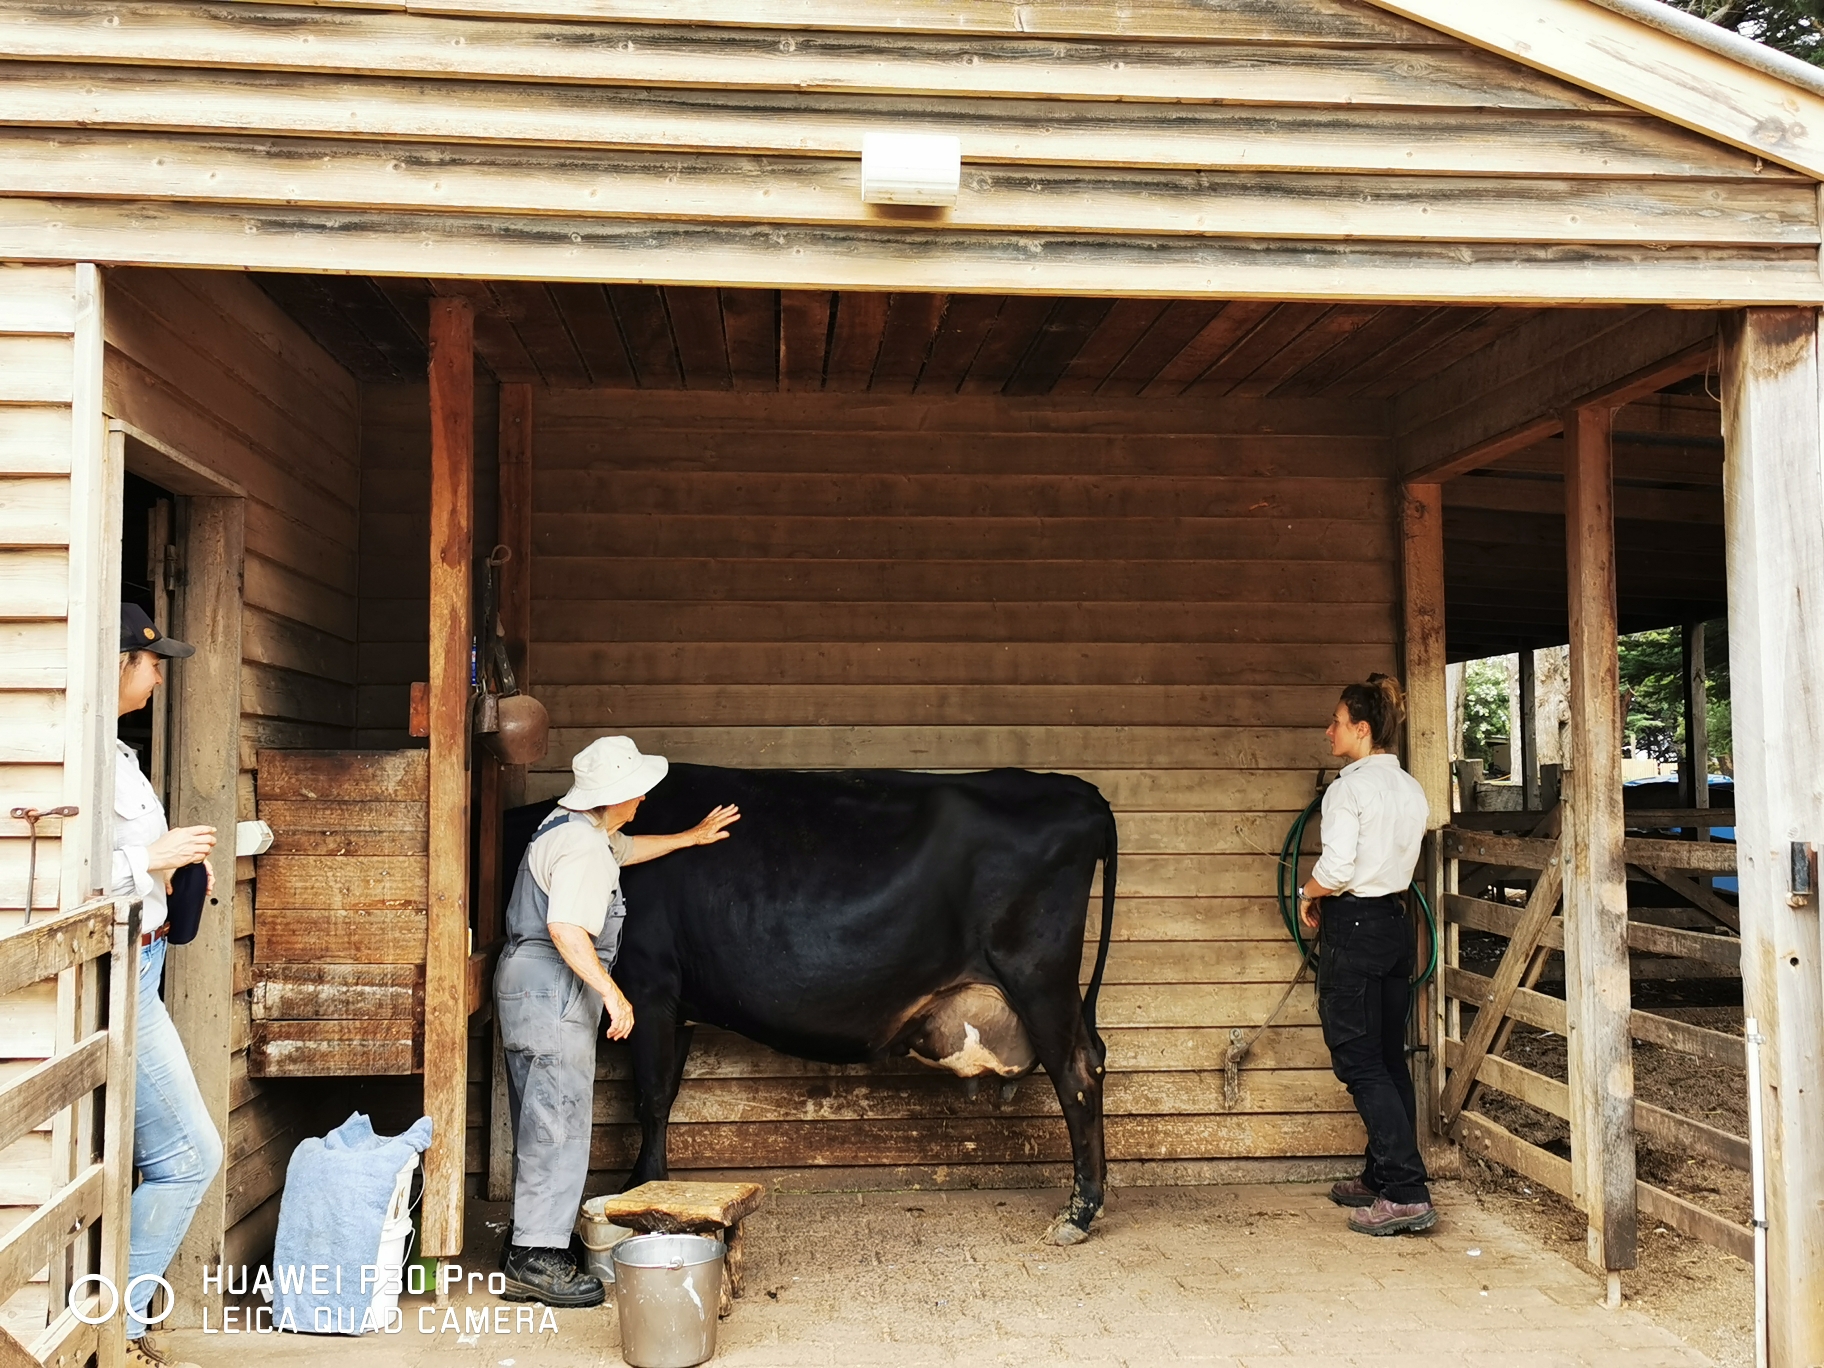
(549, 1276)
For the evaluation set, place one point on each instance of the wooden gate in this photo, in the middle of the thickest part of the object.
(1483, 866)
(81, 1231)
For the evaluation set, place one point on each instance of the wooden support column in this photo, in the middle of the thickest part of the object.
(1595, 870)
(1694, 776)
(451, 631)
(515, 530)
(1428, 760)
(1774, 524)
(515, 519)
(205, 768)
(1528, 727)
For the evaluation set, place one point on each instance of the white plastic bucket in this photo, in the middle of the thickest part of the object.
(599, 1236)
(389, 1259)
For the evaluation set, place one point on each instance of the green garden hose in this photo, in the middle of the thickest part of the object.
(1288, 884)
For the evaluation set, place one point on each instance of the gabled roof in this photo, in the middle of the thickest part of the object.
(1705, 86)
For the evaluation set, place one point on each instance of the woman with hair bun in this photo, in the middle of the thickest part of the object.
(1374, 817)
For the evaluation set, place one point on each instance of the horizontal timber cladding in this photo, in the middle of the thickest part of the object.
(1163, 598)
(434, 177)
(1182, 150)
(1403, 140)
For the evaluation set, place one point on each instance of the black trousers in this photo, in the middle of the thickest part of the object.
(1364, 972)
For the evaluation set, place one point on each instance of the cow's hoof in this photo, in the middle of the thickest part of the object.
(1066, 1232)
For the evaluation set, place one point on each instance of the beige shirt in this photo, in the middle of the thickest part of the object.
(578, 868)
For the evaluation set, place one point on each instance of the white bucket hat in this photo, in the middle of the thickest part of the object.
(610, 769)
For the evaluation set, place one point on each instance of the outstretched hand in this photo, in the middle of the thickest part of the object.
(713, 827)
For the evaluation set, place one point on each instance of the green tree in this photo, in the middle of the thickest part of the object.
(1484, 706)
(1792, 26)
(1652, 684)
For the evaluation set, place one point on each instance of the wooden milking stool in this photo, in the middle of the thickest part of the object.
(692, 1209)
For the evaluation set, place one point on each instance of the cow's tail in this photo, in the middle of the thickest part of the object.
(1109, 861)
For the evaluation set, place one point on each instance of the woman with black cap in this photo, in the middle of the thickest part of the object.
(175, 1145)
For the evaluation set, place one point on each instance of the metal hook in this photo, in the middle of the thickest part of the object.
(31, 817)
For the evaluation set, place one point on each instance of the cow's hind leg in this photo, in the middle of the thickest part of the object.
(660, 1049)
(1052, 1013)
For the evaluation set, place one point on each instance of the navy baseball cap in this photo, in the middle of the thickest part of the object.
(138, 634)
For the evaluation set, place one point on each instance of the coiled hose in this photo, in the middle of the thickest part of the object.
(1288, 882)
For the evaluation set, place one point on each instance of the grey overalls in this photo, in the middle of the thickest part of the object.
(548, 1024)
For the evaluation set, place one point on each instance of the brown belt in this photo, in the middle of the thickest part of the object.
(153, 937)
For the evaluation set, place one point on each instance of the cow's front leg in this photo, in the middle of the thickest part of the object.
(660, 1048)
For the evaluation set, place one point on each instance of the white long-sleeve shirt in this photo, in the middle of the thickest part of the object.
(139, 820)
(1373, 824)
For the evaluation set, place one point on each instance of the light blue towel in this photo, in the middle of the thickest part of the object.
(336, 1193)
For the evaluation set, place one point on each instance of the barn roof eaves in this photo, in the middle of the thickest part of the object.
(1724, 42)
(1664, 63)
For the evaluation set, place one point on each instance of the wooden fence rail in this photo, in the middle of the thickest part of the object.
(95, 1073)
(1476, 1062)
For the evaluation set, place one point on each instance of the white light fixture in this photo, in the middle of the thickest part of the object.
(910, 168)
(252, 838)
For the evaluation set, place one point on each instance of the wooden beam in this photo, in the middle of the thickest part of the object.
(515, 531)
(1428, 760)
(1595, 865)
(452, 375)
(199, 977)
(1694, 781)
(1515, 391)
(1598, 49)
(559, 248)
(1529, 728)
(97, 473)
(1422, 571)
(1775, 500)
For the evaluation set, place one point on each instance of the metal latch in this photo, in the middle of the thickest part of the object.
(1804, 874)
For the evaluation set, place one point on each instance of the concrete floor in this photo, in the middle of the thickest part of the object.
(1254, 1275)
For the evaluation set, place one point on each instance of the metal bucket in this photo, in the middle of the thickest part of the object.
(667, 1289)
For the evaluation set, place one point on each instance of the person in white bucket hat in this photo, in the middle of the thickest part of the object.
(554, 978)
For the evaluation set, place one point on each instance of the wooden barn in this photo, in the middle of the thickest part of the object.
(1267, 343)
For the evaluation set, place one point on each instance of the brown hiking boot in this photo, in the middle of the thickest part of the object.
(145, 1352)
(1352, 1192)
(1394, 1218)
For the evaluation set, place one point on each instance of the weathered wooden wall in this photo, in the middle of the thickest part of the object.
(207, 364)
(1282, 150)
(51, 481)
(1149, 596)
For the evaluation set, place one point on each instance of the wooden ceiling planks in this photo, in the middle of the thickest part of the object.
(572, 335)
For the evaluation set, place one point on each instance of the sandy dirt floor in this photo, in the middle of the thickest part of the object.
(1242, 1275)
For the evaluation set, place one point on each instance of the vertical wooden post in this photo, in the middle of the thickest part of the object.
(516, 534)
(1428, 760)
(1427, 711)
(205, 768)
(97, 476)
(1694, 779)
(1595, 870)
(1528, 727)
(446, 956)
(1774, 525)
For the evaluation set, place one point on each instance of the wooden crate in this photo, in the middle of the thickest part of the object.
(339, 914)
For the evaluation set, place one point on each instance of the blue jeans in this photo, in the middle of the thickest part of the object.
(175, 1147)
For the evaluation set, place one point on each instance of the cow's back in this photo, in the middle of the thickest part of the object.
(841, 897)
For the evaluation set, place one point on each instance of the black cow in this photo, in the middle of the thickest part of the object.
(860, 914)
